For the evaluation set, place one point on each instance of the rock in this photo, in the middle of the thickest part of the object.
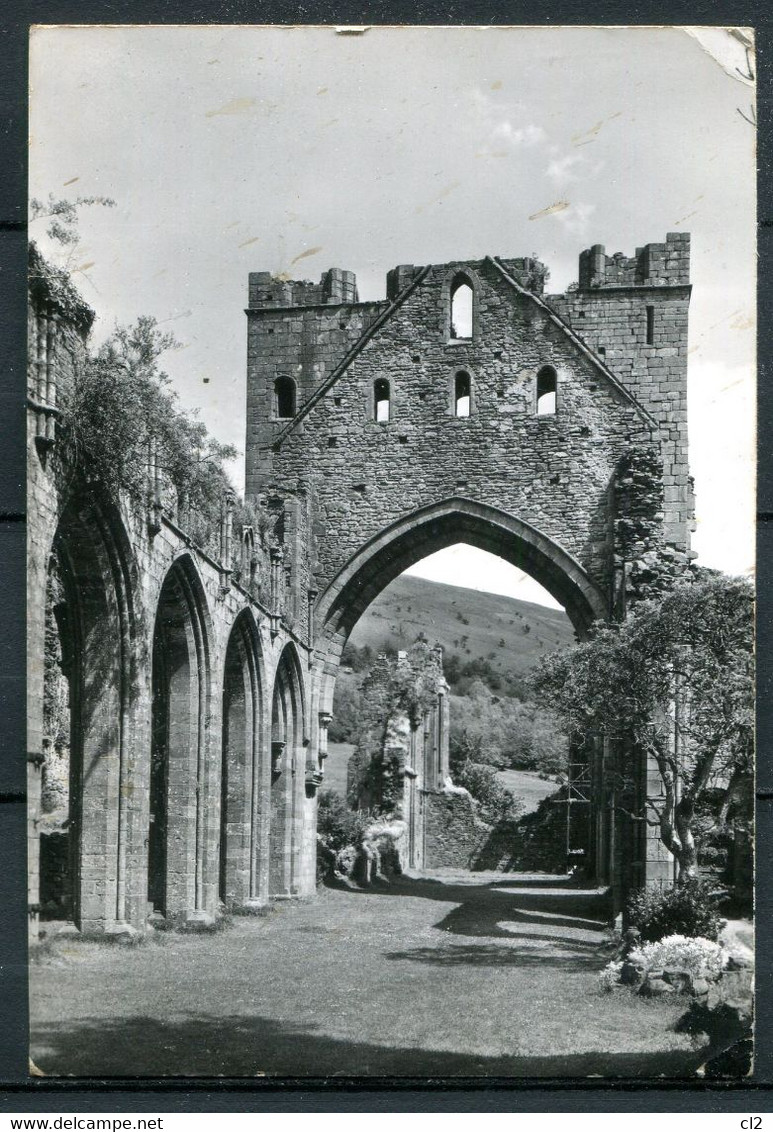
(734, 991)
(655, 987)
(698, 986)
(679, 980)
(630, 974)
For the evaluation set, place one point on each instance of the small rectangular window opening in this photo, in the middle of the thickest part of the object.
(547, 385)
(462, 395)
(650, 326)
(381, 398)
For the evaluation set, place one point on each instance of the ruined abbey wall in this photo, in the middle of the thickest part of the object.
(157, 633)
(201, 677)
(589, 497)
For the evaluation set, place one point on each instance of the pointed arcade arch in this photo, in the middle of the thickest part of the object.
(243, 782)
(287, 773)
(180, 779)
(93, 610)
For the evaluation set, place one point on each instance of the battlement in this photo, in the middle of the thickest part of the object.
(654, 265)
(399, 277)
(528, 271)
(337, 287)
(334, 288)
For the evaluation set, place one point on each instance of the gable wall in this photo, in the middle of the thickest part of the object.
(552, 472)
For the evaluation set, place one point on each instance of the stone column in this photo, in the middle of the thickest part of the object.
(276, 591)
(325, 719)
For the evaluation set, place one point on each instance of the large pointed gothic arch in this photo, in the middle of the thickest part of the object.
(422, 532)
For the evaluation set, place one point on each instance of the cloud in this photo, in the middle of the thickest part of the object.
(575, 218)
(563, 170)
(518, 135)
(507, 122)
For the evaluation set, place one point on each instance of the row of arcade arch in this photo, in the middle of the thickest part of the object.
(189, 735)
(184, 757)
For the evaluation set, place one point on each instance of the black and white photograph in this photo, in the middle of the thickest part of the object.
(390, 559)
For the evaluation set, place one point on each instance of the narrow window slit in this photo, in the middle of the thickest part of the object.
(462, 394)
(650, 326)
(547, 385)
(381, 400)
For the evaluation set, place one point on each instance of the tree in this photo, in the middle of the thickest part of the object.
(675, 681)
(121, 404)
(62, 230)
(505, 732)
(347, 711)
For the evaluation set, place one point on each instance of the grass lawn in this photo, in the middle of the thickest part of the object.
(525, 784)
(492, 976)
(528, 786)
(336, 764)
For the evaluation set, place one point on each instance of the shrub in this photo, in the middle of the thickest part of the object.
(347, 713)
(703, 958)
(337, 825)
(610, 976)
(687, 910)
(495, 802)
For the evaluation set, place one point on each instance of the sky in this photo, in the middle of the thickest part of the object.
(237, 149)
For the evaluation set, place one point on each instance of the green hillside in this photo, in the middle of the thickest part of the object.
(509, 633)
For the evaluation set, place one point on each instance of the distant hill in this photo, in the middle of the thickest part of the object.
(511, 634)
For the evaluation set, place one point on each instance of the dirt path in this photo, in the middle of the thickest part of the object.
(464, 976)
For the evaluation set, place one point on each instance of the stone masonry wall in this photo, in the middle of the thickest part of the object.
(633, 312)
(617, 344)
(553, 472)
(454, 835)
(118, 558)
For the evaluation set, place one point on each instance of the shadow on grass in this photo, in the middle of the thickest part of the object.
(575, 960)
(568, 902)
(553, 917)
(486, 918)
(255, 1046)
